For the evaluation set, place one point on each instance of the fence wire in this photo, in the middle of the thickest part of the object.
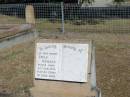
(49, 18)
(12, 13)
(58, 17)
(113, 50)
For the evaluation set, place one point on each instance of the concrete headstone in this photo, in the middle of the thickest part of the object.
(63, 68)
(62, 61)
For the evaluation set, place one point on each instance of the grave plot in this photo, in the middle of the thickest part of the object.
(14, 34)
(64, 69)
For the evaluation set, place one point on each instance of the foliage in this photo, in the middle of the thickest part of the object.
(87, 1)
(118, 2)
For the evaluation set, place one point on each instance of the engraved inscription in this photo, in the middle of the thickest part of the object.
(61, 61)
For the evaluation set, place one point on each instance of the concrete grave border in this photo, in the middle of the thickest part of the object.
(47, 88)
(16, 35)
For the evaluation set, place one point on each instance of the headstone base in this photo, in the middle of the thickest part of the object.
(61, 89)
(52, 88)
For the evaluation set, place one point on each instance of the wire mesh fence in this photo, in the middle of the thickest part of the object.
(58, 17)
(12, 13)
(82, 19)
(113, 50)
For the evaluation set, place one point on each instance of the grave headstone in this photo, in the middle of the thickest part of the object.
(30, 17)
(63, 69)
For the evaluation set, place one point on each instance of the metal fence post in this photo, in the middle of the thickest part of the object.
(62, 11)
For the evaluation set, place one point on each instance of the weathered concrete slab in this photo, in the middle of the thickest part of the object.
(15, 30)
(16, 35)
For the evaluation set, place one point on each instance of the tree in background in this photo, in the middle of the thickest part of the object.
(118, 2)
(85, 2)
(89, 2)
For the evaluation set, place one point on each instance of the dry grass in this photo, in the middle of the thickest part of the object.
(4, 19)
(102, 26)
(16, 66)
(112, 57)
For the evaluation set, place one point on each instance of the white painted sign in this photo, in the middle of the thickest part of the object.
(61, 61)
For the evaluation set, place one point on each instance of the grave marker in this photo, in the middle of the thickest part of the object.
(62, 61)
(63, 69)
(29, 13)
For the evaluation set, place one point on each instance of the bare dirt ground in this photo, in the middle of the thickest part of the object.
(112, 60)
